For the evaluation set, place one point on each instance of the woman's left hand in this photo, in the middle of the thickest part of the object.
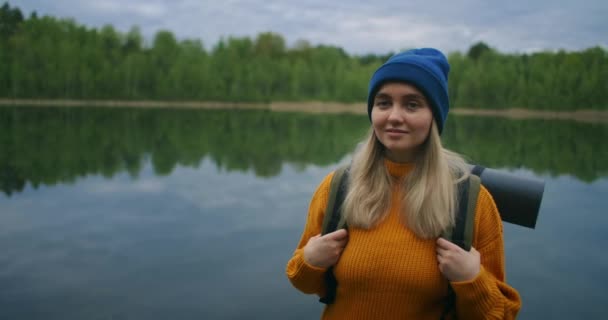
(455, 263)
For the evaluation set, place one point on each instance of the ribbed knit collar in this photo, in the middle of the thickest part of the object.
(398, 170)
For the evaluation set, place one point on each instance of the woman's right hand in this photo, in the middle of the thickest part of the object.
(324, 251)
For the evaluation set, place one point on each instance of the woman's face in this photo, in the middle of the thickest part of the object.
(402, 118)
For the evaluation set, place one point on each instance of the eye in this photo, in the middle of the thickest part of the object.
(382, 103)
(412, 105)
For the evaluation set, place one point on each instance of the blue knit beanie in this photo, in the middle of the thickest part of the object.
(425, 68)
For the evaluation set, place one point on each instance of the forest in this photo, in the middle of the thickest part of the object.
(58, 58)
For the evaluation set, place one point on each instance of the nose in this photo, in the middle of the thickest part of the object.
(395, 115)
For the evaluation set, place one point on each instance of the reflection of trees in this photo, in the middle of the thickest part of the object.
(554, 147)
(10, 179)
(52, 145)
(48, 146)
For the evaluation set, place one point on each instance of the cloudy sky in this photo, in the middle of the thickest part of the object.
(377, 26)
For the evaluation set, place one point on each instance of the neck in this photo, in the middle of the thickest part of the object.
(400, 157)
(398, 169)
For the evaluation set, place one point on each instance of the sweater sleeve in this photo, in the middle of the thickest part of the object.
(487, 296)
(305, 277)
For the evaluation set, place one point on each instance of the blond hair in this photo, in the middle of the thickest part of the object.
(429, 198)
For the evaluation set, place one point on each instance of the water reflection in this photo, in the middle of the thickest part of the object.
(190, 214)
(45, 146)
(197, 244)
(49, 146)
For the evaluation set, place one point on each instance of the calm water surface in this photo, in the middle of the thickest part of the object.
(193, 214)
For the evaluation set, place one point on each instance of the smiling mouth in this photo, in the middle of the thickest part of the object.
(396, 131)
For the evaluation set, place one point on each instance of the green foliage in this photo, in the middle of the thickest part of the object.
(46, 146)
(561, 81)
(477, 50)
(10, 18)
(58, 58)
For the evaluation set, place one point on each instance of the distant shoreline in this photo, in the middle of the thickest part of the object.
(589, 116)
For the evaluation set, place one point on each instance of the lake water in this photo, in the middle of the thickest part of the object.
(193, 214)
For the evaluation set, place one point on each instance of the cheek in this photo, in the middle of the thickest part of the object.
(427, 124)
(376, 119)
(425, 121)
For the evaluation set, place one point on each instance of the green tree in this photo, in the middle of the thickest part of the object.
(58, 58)
(477, 50)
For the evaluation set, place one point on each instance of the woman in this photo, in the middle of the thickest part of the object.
(392, 262)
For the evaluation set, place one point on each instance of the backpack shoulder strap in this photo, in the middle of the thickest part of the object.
(332, 221)
(337, 192)
(469, 229)
(463, 231)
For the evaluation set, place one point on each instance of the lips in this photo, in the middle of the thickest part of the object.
(392, 130)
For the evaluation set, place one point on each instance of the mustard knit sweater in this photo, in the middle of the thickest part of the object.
(388, 272)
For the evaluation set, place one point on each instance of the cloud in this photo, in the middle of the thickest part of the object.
(142, 10)
(356, 26)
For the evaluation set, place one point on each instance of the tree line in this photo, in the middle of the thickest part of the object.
(47, 146)
(51, 58)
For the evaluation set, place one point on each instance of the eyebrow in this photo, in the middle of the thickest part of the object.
(382, 95)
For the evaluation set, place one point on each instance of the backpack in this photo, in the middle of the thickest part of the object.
(461, 234)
